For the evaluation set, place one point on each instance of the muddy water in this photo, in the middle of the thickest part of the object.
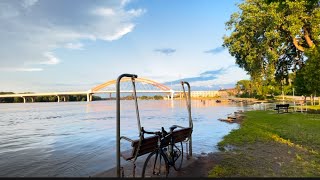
(78, 138)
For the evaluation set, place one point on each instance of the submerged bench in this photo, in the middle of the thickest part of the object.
(149, 144)
(282, 106)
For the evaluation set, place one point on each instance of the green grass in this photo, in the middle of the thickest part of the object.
(299, 128)
(271, 144)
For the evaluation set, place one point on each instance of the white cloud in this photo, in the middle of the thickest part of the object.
(77, 46)
(29, 69)
(30, 30)
(119, 33)
(136, 12)
(104, 12)
(28, 3)
(124, 2)
(51, 59)
(21, 69)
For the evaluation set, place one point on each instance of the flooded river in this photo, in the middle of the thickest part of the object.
(78, 138)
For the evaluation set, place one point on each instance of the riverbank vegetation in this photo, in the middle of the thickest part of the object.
(277, 43)
(269, 144)
(46, 98)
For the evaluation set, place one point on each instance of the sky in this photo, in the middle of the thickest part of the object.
(75, 45)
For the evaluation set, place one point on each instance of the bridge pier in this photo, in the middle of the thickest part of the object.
(89, 97)
(25, 99)
(172, 94)
(58, 98)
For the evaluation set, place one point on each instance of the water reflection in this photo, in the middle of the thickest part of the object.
(78, 138)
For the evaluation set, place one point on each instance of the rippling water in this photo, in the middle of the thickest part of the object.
(78, 138)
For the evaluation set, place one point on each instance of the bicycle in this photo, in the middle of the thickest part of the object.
(167, 154)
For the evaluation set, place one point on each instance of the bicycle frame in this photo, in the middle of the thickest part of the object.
(171, 145)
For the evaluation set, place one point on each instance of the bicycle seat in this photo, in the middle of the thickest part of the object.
(173, 127)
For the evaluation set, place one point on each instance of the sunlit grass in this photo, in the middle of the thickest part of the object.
(272, 144)
(299, 128)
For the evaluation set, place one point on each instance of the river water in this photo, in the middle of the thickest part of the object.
(78, 138)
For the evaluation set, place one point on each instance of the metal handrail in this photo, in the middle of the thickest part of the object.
(118, 119)
(188, 102)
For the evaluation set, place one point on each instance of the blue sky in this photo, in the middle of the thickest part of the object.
(74, 45)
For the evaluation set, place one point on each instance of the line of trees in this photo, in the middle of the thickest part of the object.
(277, 42)
(47, 98)
(70, 98)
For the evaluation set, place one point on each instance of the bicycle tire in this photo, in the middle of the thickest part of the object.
(178, 156)
(155, 162)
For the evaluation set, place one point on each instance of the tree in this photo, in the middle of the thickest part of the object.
(245, 86)
(307, 80)
(157, 97)
(270, 38)
(8, 99)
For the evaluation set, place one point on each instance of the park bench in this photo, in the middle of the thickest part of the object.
(282, 106)
(145, 145)
(149, 144)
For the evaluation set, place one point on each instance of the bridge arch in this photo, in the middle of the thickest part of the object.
(125, 79)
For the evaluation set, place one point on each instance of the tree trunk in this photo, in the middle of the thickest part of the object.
(295, 43)
(307, 37)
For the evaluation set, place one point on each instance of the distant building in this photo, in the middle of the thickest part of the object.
(204, 93)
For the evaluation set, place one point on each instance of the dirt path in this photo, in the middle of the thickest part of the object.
(198, 166)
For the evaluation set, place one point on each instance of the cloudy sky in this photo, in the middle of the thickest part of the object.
(59, 45)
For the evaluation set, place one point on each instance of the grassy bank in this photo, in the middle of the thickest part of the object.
(271, 144)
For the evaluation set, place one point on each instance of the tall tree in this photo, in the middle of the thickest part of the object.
(269, 38)
(307, 80)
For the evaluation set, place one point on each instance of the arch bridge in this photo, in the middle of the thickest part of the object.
(143, 85)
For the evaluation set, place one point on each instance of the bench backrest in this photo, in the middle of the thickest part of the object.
(282, 105)
(149, 144)
(181, 134)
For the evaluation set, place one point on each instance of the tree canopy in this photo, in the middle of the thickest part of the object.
(307, 80)
(271, 38)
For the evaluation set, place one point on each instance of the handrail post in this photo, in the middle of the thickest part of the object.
(189, 111)
(118, 119)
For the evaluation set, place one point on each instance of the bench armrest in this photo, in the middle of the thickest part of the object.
(126, 138)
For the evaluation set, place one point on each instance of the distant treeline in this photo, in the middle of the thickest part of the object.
(46, 98)
(69, 98)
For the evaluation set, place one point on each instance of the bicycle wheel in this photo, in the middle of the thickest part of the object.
(178, 156)
(156, 165)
